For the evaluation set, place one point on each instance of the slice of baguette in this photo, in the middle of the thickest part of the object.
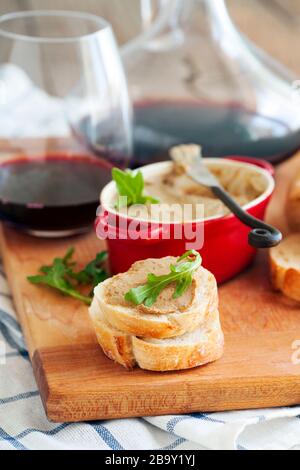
(196, 348)
(293, 204)
(115, 344)
(168, 317)
(199, 347)
(285, 266)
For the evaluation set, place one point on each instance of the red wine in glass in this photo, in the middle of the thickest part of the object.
(52, 195)
(57, 193)
(221, 130)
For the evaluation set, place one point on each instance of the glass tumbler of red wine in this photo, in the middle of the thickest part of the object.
(65, 119)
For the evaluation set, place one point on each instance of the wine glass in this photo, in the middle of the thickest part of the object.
(65, 119)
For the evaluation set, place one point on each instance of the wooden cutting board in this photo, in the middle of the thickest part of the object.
(77, 382)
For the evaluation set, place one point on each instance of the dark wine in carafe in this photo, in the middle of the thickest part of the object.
(194, 78)
(221, 130)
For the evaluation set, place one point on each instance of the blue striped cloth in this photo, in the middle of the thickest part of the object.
(23, 424)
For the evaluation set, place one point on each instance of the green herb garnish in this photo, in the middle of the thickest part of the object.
(93, 273)
(61, 275)
(181, 274)
(130, 186)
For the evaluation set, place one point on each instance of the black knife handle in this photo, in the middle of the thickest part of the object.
(263, 235)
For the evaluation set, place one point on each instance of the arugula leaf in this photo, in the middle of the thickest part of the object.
(181, 274)
(93, 273)
(130, 186)
(54, 276)
(60, 274)
(68, 256)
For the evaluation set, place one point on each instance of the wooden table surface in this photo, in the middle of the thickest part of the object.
(272, 24)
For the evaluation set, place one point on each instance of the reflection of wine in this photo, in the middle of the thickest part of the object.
(220, 130)
(55, 193)
(103, 138)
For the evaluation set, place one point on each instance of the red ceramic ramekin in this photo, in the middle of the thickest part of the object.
(225, 251)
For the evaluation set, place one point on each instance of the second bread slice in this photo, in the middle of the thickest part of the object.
(203, 345)
(285, 266)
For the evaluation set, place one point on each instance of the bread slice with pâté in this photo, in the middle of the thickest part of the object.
(167, 317)
(157, 296)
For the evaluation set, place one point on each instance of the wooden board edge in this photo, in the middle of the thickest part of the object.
(41, 379)
(16, 295)
(216, 397)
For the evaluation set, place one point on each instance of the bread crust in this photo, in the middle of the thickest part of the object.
(293, 204)
(163, 358)
(285, 278)
(129, 351)
(116, 345)
(161, 326)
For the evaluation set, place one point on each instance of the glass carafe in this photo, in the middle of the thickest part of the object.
(194, 77)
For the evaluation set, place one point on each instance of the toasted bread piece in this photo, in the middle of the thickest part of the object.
(196, 348)
(293, 204)
(285, 266)
(168, 317)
